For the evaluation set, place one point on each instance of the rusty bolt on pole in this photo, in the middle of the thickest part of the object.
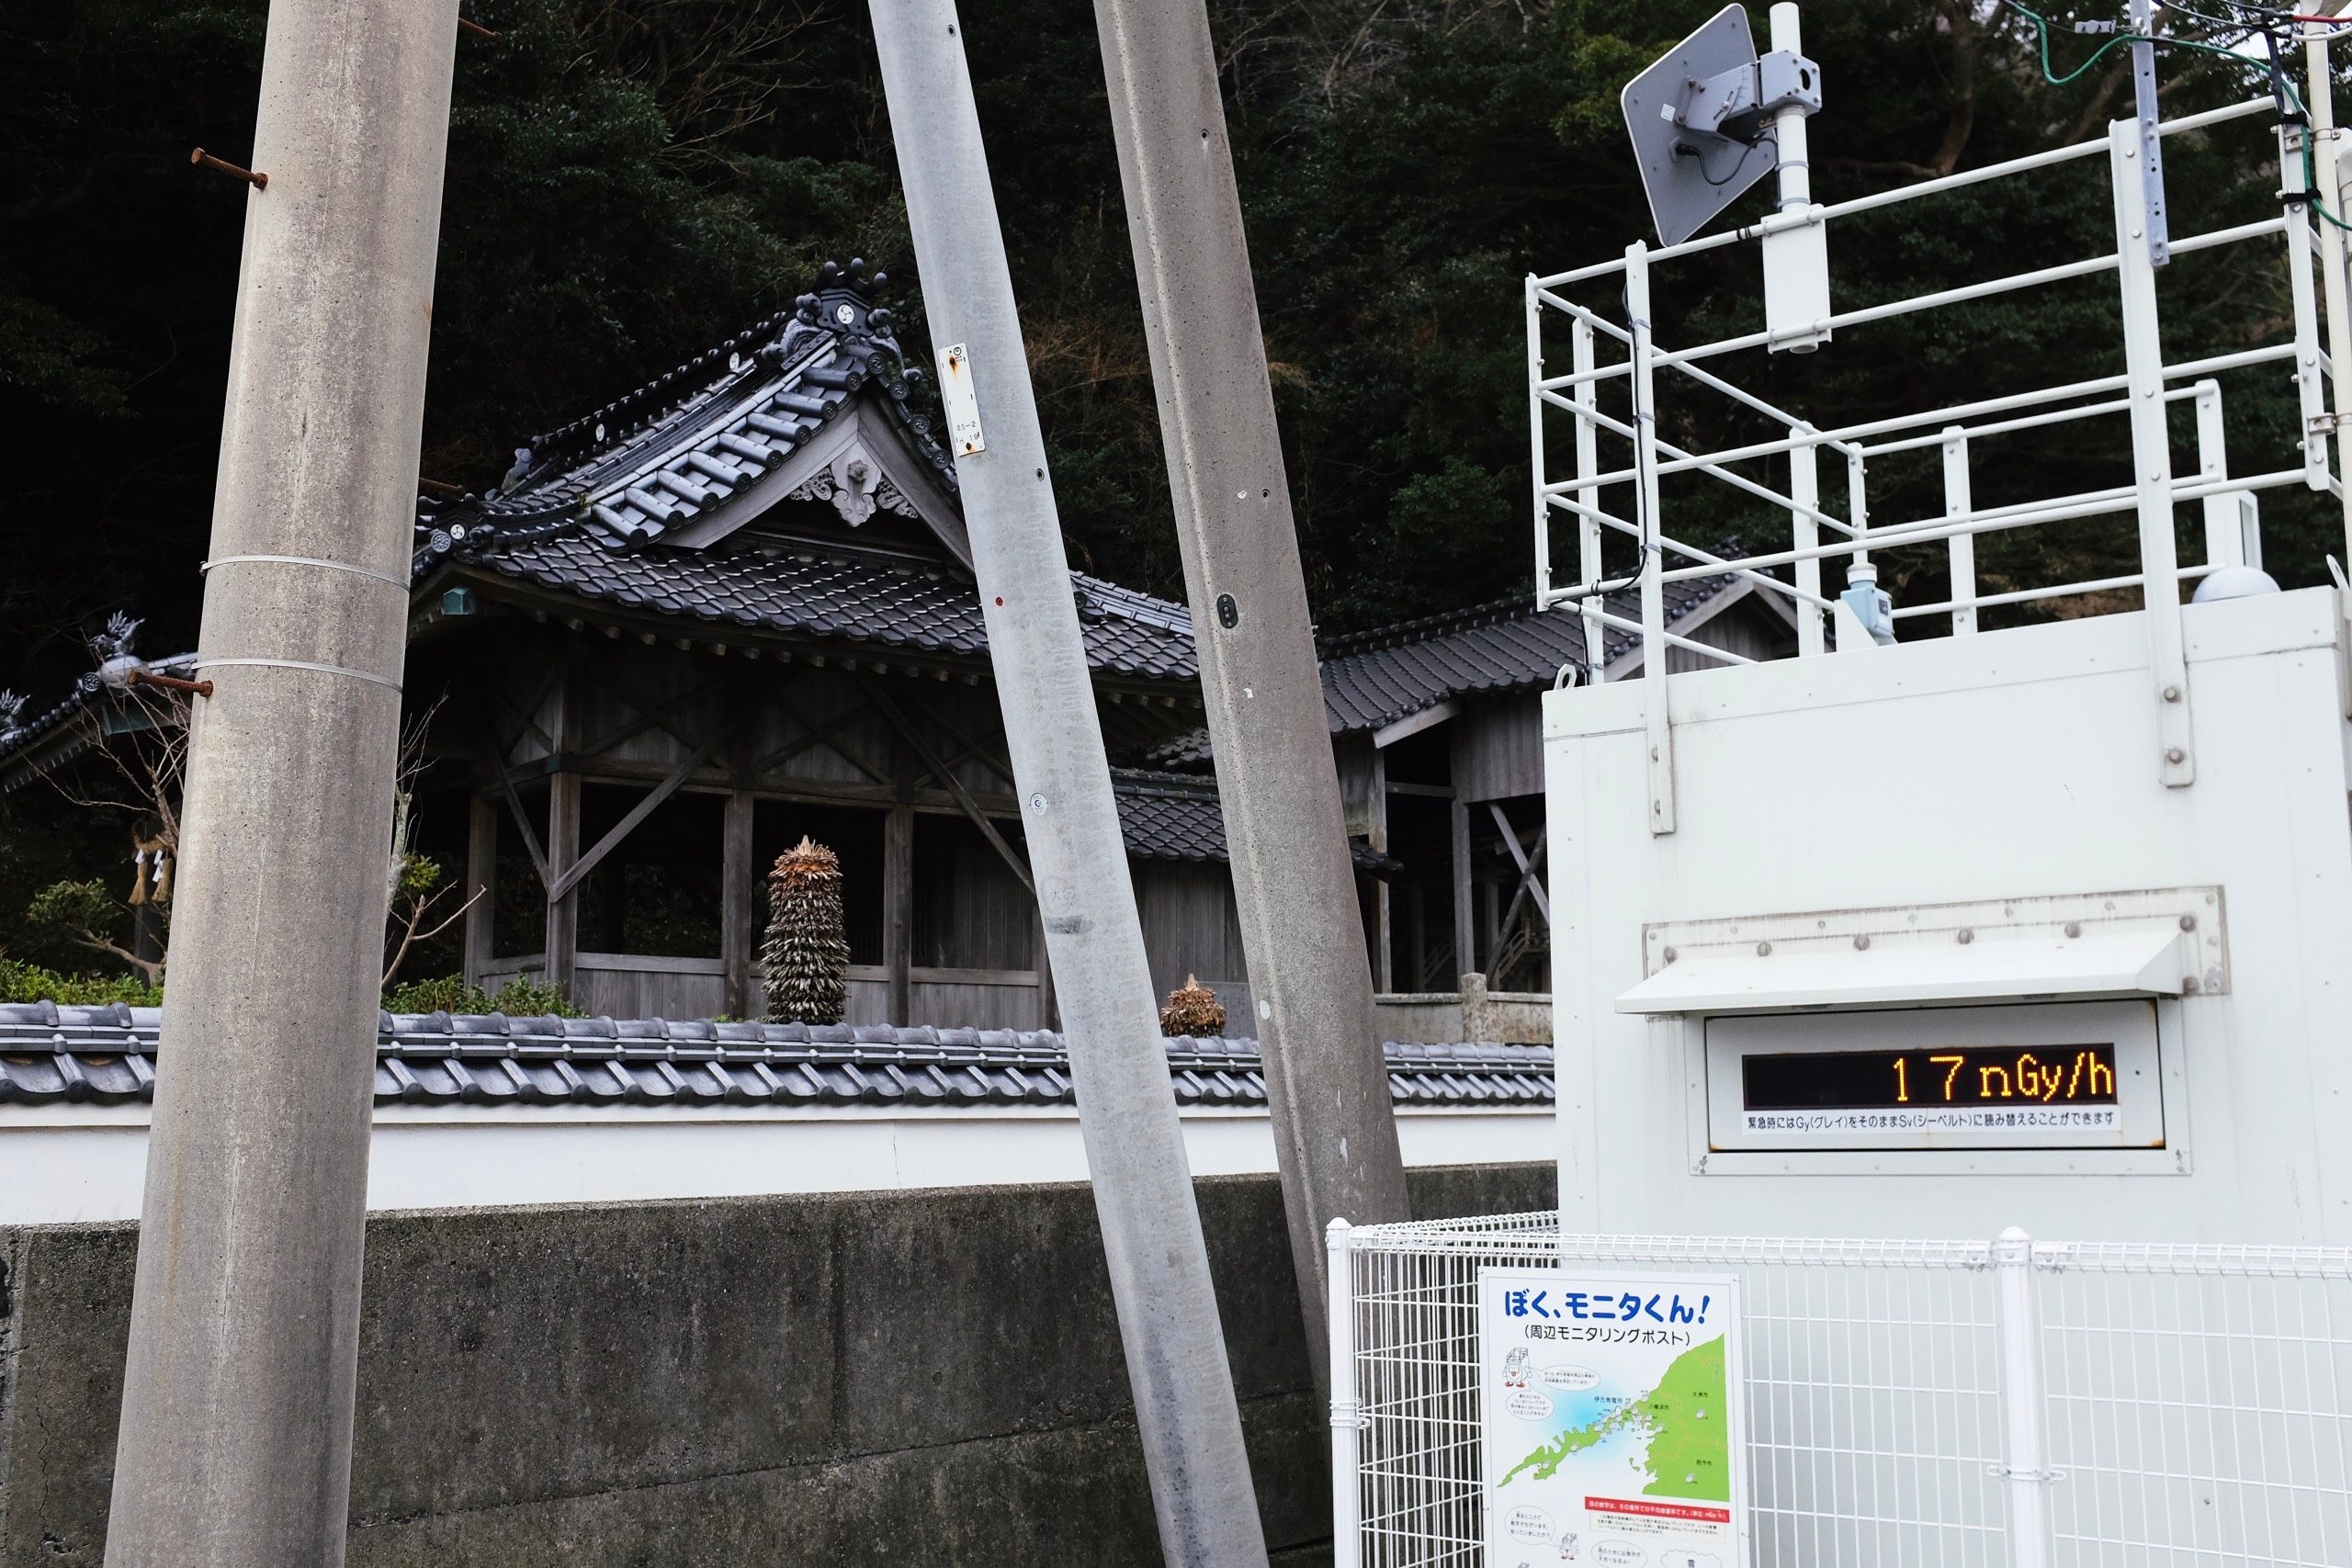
(258, 180)
(169, 682)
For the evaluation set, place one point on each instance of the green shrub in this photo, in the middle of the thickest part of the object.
(30, 983)
(520, 999)
(449, 993)
(446, 993)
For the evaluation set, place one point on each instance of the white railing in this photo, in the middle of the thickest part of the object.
(1611, 398)
(1995, 1405)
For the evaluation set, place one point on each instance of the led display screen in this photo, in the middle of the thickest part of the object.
(1957, 1077)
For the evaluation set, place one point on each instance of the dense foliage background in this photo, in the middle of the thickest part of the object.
(629, 180)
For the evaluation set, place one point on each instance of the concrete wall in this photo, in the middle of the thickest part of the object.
(1474, 1012)
(875, 1378)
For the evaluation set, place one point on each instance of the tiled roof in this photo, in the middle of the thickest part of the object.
(590, 509)
(1179, 817)
(645, 466)
(52, 1055)
(1374, 677)
(101, 687)
(868, 600)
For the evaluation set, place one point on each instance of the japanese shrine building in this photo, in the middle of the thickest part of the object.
(736, 606)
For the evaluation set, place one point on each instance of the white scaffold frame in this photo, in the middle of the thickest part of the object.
(2002, 1404)
(2144, 392)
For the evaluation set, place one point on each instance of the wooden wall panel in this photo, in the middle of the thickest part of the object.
(1190, 927)
(1499, 748)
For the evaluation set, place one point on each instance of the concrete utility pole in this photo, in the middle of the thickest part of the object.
(1335, 1132)
(1185, 1408)
(235, 1449)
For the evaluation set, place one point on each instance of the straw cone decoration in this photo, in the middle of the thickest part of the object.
(804, 959)
(1193, 1009)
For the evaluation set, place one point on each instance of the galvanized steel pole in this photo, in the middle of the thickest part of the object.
(1335, 1132)
(1185, 1407)
(236, 1447)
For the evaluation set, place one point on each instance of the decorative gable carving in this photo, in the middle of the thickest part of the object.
(854, 483)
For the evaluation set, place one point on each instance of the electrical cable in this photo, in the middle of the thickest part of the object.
(1746, 153)
(2280, 86)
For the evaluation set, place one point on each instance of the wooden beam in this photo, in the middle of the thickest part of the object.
(563, 906)
(495, 760)
(629, 729)
(1387, 734)
(940, 770)
(738, 923)
(1527, 884)
(1382, 945)
(569, 877)
(898, 908)
(1045, 971)
(1528, 881)
(1426, 792)
(1466, 950)
(481, 884)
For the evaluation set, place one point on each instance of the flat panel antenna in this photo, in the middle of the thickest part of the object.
(1700, 120)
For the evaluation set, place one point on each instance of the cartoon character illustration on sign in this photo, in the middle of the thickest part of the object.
(1515, 1368)
(1567, 1546)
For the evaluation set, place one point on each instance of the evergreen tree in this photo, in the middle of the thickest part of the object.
(804, 962)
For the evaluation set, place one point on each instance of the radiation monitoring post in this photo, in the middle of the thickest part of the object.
(1612, 1406)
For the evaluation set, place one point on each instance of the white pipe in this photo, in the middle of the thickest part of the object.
(1762, 492)
(2022, 595)
(2321, 92)
(1922, 188)
(1535, 443)
(1622, 624)
(1958, 502)
(2186, 370)
(1988, 523)
(1658, 727)
(1347, 1418)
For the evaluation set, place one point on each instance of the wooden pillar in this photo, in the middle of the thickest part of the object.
(1384, 969)
(1046, 1019)
(1465, 949)
(898, 908)
(482, 886)
(563, 849)
(1491, 919)
(740, 906)
(563, 941)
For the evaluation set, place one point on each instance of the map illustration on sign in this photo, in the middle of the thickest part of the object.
(1613, 1419)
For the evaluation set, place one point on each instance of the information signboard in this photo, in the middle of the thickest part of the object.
(1612, 1415)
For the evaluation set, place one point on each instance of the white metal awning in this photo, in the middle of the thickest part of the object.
(2144, 960)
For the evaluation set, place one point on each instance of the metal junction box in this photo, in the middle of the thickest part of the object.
(1932, 950)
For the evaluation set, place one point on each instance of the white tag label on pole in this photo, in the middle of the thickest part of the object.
(963, 403)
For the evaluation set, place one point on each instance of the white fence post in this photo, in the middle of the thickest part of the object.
(1959, 503)
(1588, 396)
(1535, 433)
(2225, 530)
(1660, 727)
(2143, 367)
(1804, 489)
(2025, 1451)
(1347, 1417)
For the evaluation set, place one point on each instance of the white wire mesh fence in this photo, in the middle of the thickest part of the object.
(1957, 1404)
